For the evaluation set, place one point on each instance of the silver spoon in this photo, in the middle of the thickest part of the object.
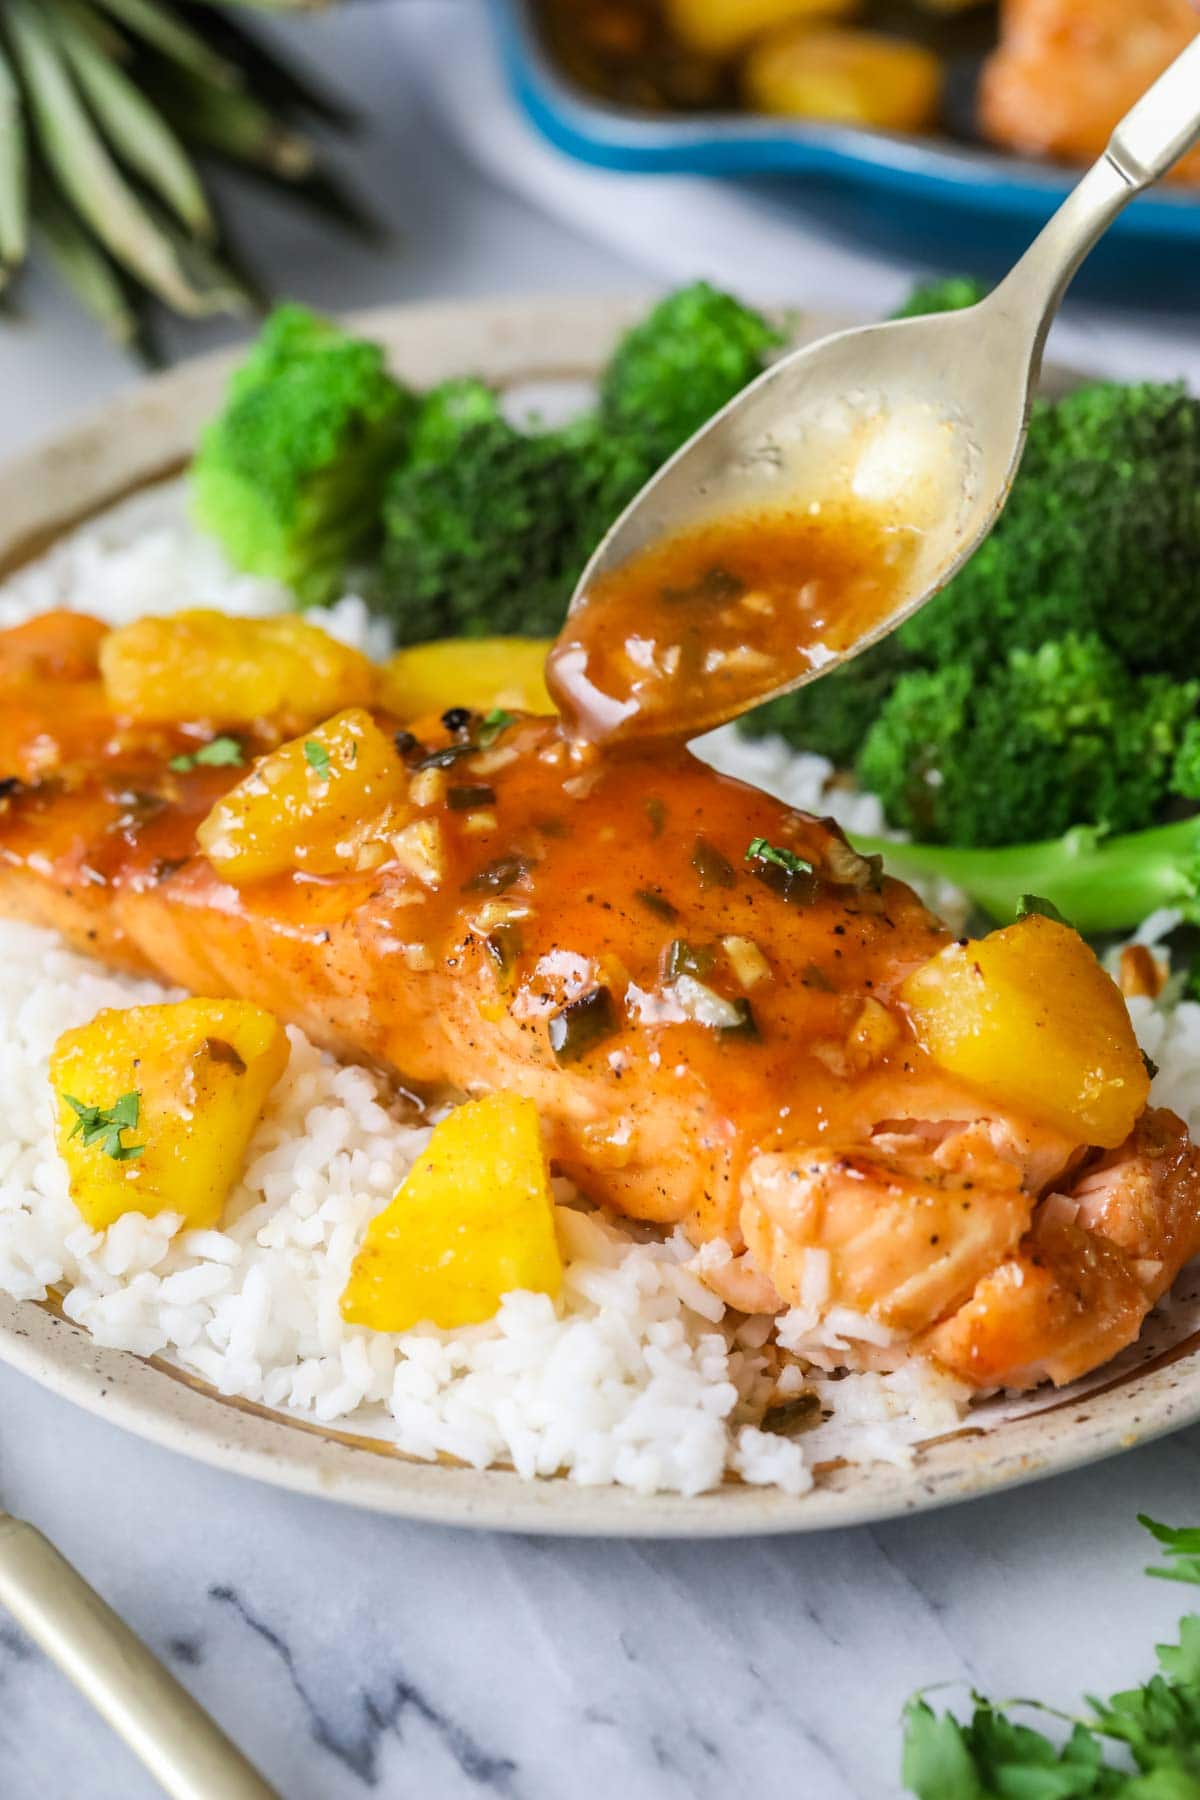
(925, 419)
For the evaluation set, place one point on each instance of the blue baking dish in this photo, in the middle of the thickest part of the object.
(950, 204)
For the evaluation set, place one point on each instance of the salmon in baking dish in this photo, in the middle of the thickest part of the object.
(1067, 71)
(728, 1019)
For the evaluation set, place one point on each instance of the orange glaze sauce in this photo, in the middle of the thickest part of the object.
(702, 627)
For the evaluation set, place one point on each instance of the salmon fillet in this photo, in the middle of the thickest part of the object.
(788, 1111)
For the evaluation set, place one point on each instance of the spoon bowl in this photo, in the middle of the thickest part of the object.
(914, 429)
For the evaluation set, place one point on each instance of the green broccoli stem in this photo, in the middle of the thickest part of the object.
(1099, 883)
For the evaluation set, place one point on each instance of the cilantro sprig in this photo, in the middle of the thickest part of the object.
(218, 753)
(991, 1755)
(317, 758)
(103, 1125)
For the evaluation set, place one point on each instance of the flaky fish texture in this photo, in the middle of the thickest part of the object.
(711, 1041)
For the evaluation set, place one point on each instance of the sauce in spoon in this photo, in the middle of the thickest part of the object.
(703, 626)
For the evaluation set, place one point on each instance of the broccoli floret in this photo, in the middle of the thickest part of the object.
(491, 537)
(447, 413)
(290, 475)
(488, 528)
(1060, 736)
(1101, 533)
(952, 294)
(1101, 537)
(1185, 774)
(1099, 883)
(832, 716)
(671, 373)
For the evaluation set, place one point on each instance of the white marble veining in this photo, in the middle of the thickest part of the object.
(355, 1656)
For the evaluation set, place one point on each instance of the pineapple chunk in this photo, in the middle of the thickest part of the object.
(478, 673)
(207, 665)
(156, 1105)
(473, 1220)
(1028, 1016)
(852, 77)
(320, 803)
(723, 27)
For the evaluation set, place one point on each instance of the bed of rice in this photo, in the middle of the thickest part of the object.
(636, 1374)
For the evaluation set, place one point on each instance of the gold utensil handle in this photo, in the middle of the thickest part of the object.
(185, 1750)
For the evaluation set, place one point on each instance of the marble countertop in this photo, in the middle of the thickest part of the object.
(353, 1655)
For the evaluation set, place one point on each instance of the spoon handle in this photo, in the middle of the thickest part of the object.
(1148, 142)
(185, 1750)
(1163, 126)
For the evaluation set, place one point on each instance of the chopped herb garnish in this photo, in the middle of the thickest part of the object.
(715, 587)
(582, 1024)
(503, 945)
(103, 1125)
(218, 753)
(138, 808)
(317, 757)
(713, 869)
(492, 725)
(792, 1416)
(792, 877)
(496, 877)
(463, 799)
(688, 959)
(815, 977)
(656, 812)
(1034, 905)
(658, 904)
(759, 850)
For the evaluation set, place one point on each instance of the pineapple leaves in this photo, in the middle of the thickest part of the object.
(135, 129)
(110, 111)
(87, 271)
(14, 177)
(84, 168)
(163, 31)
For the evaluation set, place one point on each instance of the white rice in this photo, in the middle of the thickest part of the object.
(636, 1374)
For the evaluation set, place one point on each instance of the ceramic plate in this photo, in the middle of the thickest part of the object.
(1154, 1388)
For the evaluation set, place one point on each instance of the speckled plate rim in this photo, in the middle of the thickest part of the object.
(146, 434)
